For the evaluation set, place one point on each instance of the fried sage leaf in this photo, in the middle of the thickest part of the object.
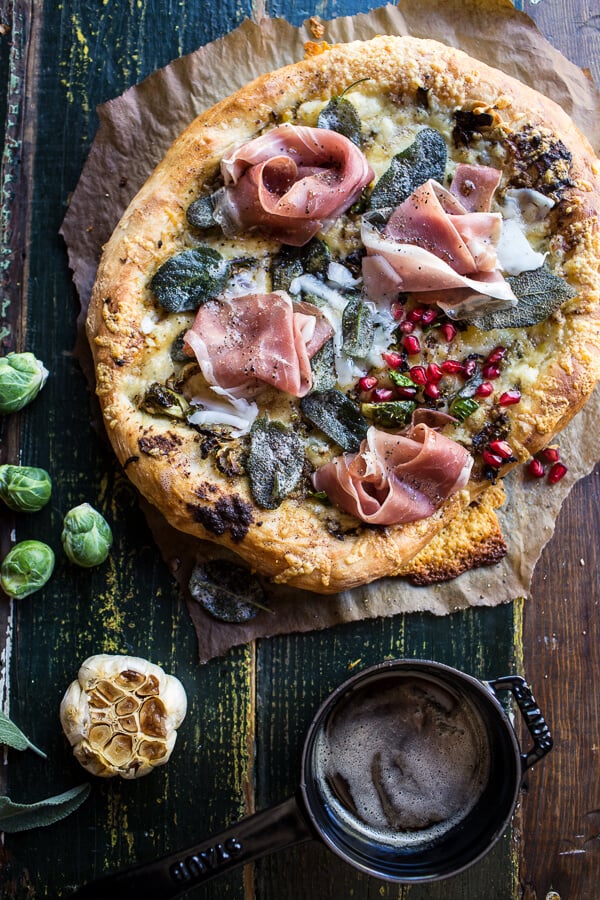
(358, 328)
(539, 292)
(188, 279)
(341, 116)
(200, 213)
(12, 736)
(228, 592)
(275, 462)
(425, 158)
(24, 816)
(322, 366)
(291, 262)
(337, 416)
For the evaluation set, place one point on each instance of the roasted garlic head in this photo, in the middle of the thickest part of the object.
(121, 715)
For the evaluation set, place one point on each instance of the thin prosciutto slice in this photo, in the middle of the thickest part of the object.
(396, 478)
(290, 181)
(243, 342)
(435, 242)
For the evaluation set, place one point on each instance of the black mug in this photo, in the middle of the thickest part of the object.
(411, 772)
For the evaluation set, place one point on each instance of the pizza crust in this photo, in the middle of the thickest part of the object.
(304, 542)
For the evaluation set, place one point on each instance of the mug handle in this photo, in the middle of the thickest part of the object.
(170, 876)
(538, 728)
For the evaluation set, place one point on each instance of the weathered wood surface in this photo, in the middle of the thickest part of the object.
(239, 747)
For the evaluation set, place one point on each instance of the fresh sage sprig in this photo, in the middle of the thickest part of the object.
(14, 737)
(24, 816)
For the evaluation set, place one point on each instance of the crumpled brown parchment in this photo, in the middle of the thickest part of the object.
(136, 130)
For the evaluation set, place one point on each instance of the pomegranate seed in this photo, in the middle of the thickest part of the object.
(431, 390)
(470, 366)
(452, 367)
(502, 448)
(416, 314)
(406, 327)
(393, 359)
(557, 471)
(492, 459)
(411, 344)
(382, 394)
(509, 398)
(405, 392)
(484, 389)
(429, 316)
(367, 382)
(536, 468)
(550, 454)
(397, 311)
(497, 354)
(491, 371)
(433, 373)
(448, 331)
(418, 374)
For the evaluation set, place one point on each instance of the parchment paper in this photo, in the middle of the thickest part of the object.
(135, 131)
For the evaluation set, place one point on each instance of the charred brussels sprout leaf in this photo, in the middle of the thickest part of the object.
(539, 292)
(424, 159)
(463, 407)
(275, 462)
(469, 123)
(291, 262)
(24, 488)
(340, 115)
(390, 414)
(358, 328)
(337, 416)
(228, 592)
(162, 401)
(188, 279)
(322, 366)
(200, 213)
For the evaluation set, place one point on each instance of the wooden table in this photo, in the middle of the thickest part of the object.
(239, 747)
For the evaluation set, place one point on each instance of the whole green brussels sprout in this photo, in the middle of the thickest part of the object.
(22, 376)
(24, 488)
(86, 536)
(26, 568)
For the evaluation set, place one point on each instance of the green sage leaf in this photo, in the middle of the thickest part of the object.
(12, 736)
(227, 592)
(24, 816)
(200, 213)
(188, 279)
(291, 262)
(358, 328)
(341, 116)
(539, 292)
(425, 158)
(390, 413)
(337, 416)
(275, 462)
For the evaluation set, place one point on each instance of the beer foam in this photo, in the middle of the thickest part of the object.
(402, 760)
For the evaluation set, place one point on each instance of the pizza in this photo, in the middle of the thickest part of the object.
(348, 301)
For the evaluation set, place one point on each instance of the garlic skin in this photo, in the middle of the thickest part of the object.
(121, 715)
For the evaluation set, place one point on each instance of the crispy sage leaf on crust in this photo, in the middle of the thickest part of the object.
(340, 115)
(337, 416)
(322, 366)
(24, 816)
(13, 737)
(358, 329)
(275, 462)
(190, 278)
(228, 592)
(425, 158)
(200, 213)
(539, 293)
